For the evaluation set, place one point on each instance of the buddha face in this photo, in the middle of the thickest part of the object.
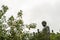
(44, 23)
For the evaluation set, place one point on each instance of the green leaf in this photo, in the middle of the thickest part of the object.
(11, 18)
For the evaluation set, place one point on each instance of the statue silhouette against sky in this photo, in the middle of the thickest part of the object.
(46, 31)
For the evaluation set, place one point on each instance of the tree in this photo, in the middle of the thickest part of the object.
(3, 34)
(17, 26)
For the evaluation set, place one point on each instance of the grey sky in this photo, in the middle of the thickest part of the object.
(36, 11)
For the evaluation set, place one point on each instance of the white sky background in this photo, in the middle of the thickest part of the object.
(36, 11)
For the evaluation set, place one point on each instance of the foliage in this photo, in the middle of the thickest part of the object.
(17, 26)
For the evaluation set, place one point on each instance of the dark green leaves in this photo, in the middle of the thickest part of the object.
(3, 11)
(5, 8)
(11, 18)
(20, 14)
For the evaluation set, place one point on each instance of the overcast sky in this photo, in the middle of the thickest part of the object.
(36, 11)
